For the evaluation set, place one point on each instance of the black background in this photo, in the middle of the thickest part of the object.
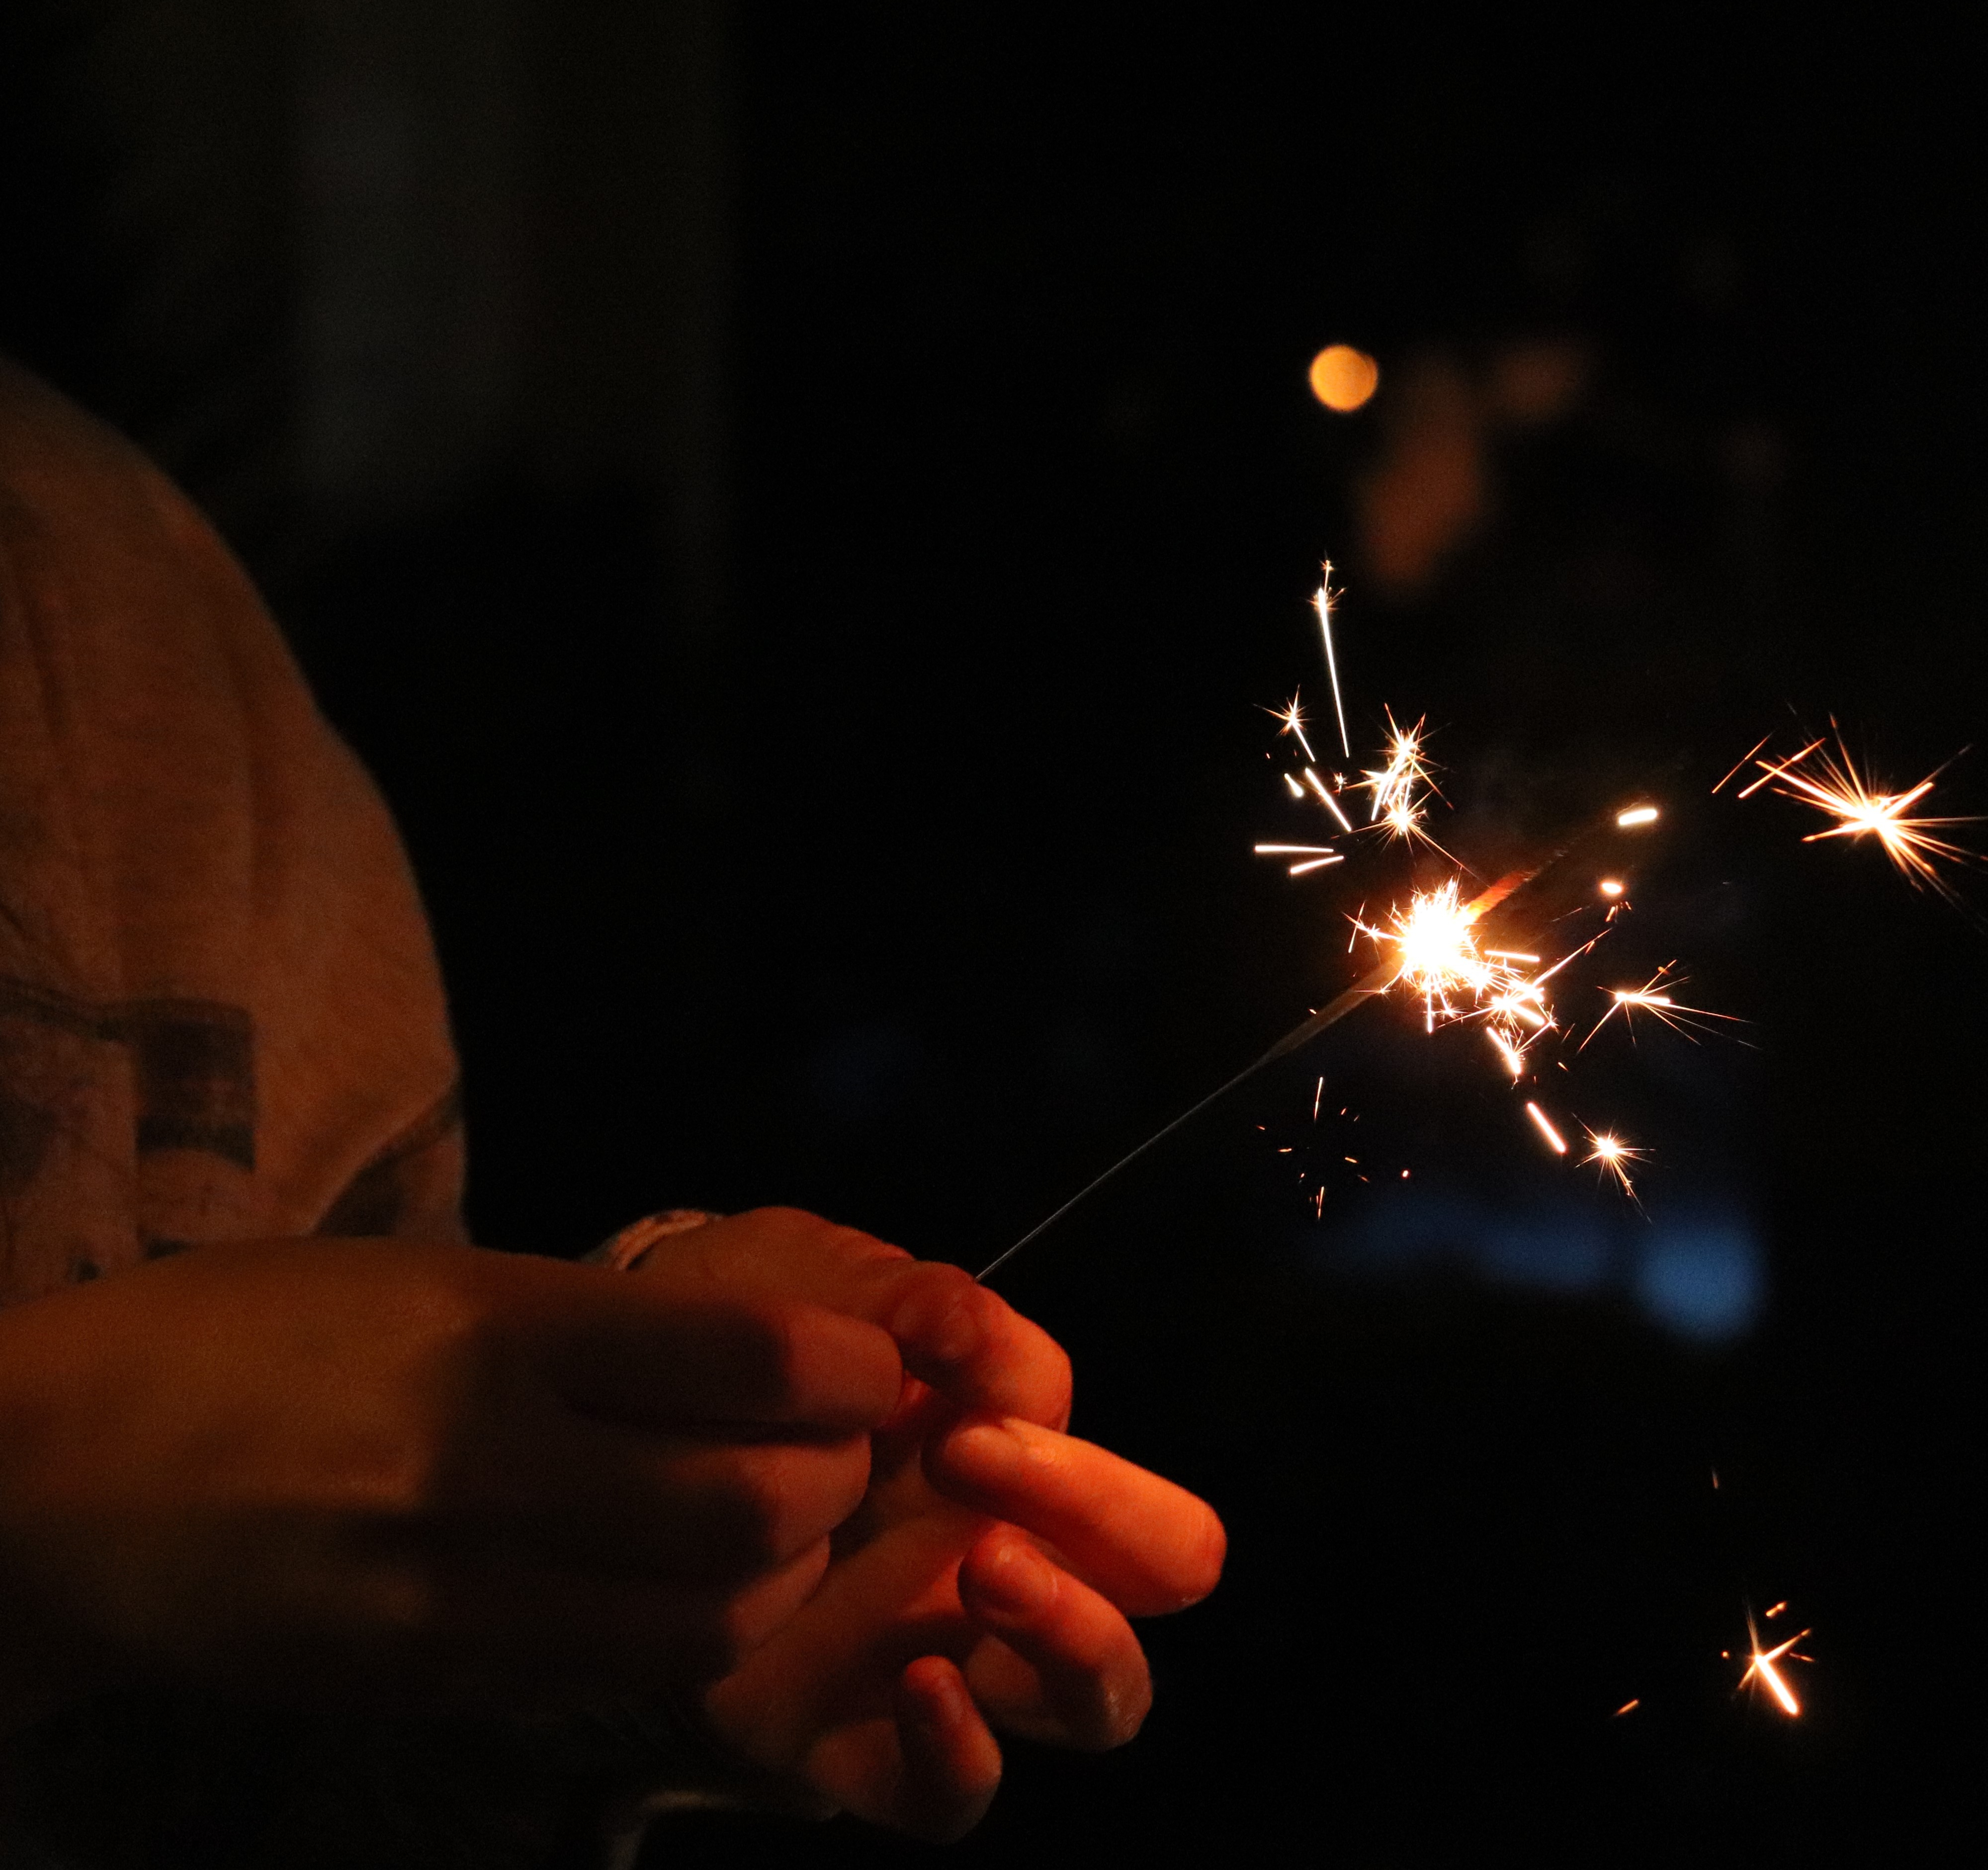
(848, 800)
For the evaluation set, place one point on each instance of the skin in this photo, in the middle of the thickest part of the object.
(986, 1582)
(788, 1471)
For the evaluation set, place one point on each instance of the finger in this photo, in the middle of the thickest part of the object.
(964, 1340)
(1148, 1545)
(952, 1762)
(1067, 1668)
(623, 1349)
(972, 1346)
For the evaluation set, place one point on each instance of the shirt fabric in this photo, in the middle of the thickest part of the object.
(220, 1018)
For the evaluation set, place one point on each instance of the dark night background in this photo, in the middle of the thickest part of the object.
(800, 508)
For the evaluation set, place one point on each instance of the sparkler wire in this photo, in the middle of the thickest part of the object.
(1369, 986)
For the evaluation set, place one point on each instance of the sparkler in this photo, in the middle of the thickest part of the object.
(1444, 937)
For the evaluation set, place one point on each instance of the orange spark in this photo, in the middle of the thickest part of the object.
(1629, 1001)
(1762, 1666)
(1834, 785)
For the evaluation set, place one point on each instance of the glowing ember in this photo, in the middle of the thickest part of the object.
(1555, 1142)
(1636, 815)
(1763, 1666)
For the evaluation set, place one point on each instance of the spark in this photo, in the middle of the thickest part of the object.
(1761, 1666)
(1771, 773)
(1834, 785)
(1291, 850)
(1312, 864)
(1774, 1610)
(1296, 791)
(1398, 799)
(1629, 1001)
(1612, 1156)
(1315, 1097)
(1636, 815)
(1291, 720)
(1742, 759)
(1629, 1707)
(1326, 798)
(1323, 603)
(1437, 958)
(1555, 1140)
(1609, 888)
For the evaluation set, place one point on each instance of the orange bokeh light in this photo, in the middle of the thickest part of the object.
(1342, 378)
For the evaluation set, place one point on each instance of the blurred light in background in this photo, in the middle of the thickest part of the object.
(1342, 378)
(1699, 1274)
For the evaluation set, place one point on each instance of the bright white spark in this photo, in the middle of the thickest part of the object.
(1326, 798)
(1613, 1157)
(1636, 815)
(1555, 1142)
(1323, 602)
(1437, 957)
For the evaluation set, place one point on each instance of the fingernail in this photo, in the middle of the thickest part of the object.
(1017, 1579)
(943, 1325)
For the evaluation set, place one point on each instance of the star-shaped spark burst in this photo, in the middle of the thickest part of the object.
(1832, 784)
(1612, 1157)
(1290, 720)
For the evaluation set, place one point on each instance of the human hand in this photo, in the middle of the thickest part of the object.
(381, 1472)
(999, 1604)
(955, 1335)
(938, 1622)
